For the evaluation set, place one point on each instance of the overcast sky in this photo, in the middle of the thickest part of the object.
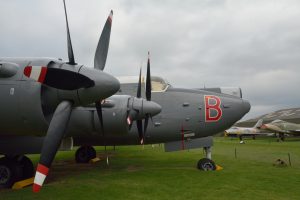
(252, 44)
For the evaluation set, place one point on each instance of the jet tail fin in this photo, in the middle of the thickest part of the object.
(258, 124)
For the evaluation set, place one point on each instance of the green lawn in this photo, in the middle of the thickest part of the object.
(150, 173)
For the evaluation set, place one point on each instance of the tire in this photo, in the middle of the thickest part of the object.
(27, 167)
(206, 164)
(10, 172)
(84, 154)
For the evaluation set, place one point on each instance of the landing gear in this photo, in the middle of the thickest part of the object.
(206, 164)
(84, 154)
(241, 140)
(13, 169)
(280, 137)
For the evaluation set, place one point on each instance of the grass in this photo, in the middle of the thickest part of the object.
(150, 173)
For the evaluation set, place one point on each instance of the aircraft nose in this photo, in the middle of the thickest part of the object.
(246, 106)
(105, 86)
(225, 133)
(264, 126)
(234, 109)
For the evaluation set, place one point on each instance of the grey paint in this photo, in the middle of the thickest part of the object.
(189, 144)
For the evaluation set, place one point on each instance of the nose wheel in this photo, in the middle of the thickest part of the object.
(206, 164)
(84, 154)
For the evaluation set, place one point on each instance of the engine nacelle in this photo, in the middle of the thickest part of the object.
(115, 118)
(84, 121)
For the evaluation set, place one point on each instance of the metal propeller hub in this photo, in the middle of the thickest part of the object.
(140, 108)
(151, 108)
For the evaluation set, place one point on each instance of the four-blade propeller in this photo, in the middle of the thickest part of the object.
(139, 108)
(69, 80)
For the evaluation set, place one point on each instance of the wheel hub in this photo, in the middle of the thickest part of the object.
(208, 167)
(4, 174)
(83, 154)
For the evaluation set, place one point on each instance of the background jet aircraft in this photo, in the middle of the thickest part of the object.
(281, 128)
(246, 131)
(38, 96)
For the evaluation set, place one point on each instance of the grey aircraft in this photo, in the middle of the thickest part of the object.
(38, 96)
(281, 128)
(33, 111)
(167, 114)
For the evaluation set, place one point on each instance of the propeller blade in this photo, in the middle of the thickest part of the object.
(139, 124)
(146, 124)
(51, 142)
(129, 121)
(148, 80)
(99, 112)
(103, 44)
(138, 94)
(70, 48)
(58, 78)
(130, 125)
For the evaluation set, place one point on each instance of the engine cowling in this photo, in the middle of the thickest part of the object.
(84, 121)
(8, 69)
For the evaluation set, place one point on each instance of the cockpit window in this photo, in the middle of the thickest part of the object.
(159, 84)
(129, 84)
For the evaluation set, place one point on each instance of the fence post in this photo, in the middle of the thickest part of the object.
(289, 159)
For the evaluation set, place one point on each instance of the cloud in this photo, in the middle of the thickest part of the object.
(254, 44)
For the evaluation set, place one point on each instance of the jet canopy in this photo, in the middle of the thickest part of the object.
(277, 121)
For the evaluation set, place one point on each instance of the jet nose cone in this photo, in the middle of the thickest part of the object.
(105, 86)
(152, 108)
(225, 133)
(264, 126)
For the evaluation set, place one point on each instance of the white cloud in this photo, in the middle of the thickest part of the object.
(254, 44)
